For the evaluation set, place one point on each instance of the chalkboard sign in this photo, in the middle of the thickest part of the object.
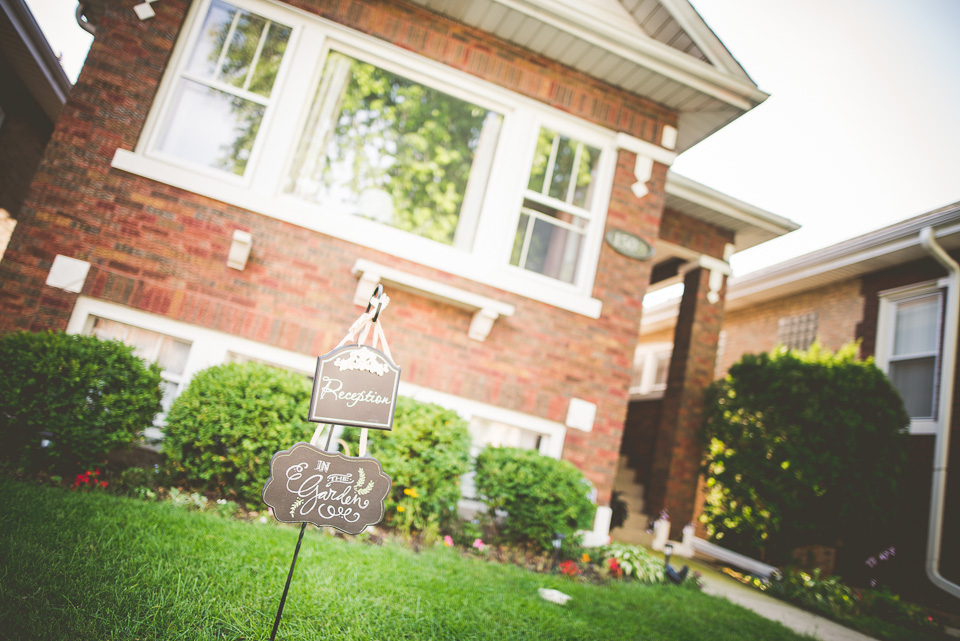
(355, 385)
(308, 485)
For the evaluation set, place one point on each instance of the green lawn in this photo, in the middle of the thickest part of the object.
(99, 567)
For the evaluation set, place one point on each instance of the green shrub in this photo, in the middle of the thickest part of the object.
(804, 449)
(225, 427)
(425, 454)
(91, 395)
(540, 495)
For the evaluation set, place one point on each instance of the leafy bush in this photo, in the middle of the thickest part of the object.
(634, 562)
(804, 448)
(225, 427)
(540, 495)
(91, 395)
(425, 454)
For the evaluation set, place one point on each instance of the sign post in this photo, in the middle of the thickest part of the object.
(355, 385)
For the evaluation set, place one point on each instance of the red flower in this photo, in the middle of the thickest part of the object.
(569, 568)
(615, 570)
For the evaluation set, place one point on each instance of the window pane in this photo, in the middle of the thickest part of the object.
(916, 326)
(562, 160)
(385, 148)
(211, 128)
(169, 390)
(168, 352)
(239, 48)
(550, 248)
(914, 379)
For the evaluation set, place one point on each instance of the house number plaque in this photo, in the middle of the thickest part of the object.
(629, 245)
(355, 385)
(308, 485)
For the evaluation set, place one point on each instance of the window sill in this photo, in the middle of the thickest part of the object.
(365, 233)
(919, 427)
(485, 310)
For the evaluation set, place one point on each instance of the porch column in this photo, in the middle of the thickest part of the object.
(676, 458)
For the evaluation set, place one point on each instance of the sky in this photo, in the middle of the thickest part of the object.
(862, 128)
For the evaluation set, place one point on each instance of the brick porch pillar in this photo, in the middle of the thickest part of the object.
(678, 451)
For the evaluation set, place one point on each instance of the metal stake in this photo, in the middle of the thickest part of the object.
(286, 588)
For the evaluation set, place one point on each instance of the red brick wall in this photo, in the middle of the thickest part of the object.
(163, 250)
(753, 329)
(693, 234)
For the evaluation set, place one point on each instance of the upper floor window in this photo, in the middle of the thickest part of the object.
(908, 349)
(556, 207)
(383, 147)
(224, 89)
(310, 122)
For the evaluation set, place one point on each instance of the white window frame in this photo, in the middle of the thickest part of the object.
(646, 360)
(889, 301)
(260, 189)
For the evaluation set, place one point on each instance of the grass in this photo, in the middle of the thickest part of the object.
(97, 566)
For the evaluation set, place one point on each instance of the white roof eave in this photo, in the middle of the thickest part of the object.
(736, 90)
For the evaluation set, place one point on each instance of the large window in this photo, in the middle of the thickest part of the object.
(224, 89)
(304, 120)
(394, 151)
(908, 348)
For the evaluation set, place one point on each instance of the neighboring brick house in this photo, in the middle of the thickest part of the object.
(34, 90)
(472, 156)
(888, 291)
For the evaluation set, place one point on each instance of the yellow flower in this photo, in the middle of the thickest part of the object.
(400, 508)
(411, 492)
(585, 558)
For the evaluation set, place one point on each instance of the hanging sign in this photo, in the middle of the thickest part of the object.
(308, 485)
(629, 245)
(355, 385)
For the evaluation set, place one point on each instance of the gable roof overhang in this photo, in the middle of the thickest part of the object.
(660, 50)
(896, 244)
(26, 49)
(889, 246)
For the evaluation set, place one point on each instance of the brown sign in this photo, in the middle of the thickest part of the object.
(355, 385)
(309, 485)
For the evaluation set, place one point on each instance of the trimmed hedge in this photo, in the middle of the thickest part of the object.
(91, 395)
(425, 454)
(225, 427)
(802, 449)
(541, 495)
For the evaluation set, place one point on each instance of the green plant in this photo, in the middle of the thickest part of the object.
(139, 482)
(632, 562)
(541, 495)
(425, 454)
(191, 500)
(803, 448)
(66, 400)
(223, 430)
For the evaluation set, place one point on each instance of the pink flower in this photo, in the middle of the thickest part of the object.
(477, 543)
(448, 541)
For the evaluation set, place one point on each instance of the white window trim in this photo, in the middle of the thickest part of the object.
(210, 347)
(886, 314)
(645, 360)
(259, 190)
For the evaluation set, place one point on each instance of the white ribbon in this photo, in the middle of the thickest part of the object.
(358, 333)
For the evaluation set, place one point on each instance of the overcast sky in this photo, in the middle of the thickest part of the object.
(862, 128)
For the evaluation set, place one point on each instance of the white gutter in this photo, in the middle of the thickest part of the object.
(942, 443)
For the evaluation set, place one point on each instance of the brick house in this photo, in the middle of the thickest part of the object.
(34, 90)
(889, 290)
(230, 179)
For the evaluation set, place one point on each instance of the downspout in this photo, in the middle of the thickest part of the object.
(86, 26)
(941, 447)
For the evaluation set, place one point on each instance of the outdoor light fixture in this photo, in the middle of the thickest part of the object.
(557, 542)
(45, 437)
(673, 575)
